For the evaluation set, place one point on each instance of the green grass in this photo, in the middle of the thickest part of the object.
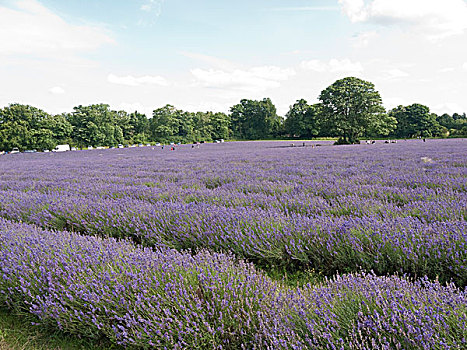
(296, 278)
(17, 333)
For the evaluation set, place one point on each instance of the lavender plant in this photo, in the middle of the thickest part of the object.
(374, 207)
(144, 298)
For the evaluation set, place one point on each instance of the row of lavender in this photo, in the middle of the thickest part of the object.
(164, 298)
(325, 243)
(387, 208)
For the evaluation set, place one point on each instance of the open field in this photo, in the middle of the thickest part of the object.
(152, 247)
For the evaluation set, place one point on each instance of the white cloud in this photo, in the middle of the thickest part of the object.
(252, 80)
(152, 10)
(434, 18)
(57, 90)
(363, 39)
(130, 80)
(209, 106)
(392, 102)
(354, 9)
(153, 6)
(333, 66)
(446, 70)
(31, 28)
(272, 72)
(464, 66)
(212, 61)
(448, 107)
(395, 74)
(305, 8)
(314, 65)
(131, 107)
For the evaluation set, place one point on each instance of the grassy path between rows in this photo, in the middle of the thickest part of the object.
(18, 333)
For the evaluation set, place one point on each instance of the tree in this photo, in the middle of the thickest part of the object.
(22, 126)
(59, 126)
(415, 120)
(95, 125)
(165, 123)
(302, 120)
(134, 127)
(202, 127)
(253, 120)
(383, 126)
(351, 106)
(454, 125)
(220, 125)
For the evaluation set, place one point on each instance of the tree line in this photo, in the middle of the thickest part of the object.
(349, 109)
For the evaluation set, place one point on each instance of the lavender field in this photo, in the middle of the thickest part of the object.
(173, 249)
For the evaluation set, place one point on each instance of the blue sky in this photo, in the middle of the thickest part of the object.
(208, 54)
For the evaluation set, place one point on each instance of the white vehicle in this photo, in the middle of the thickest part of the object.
(120, 146)
(61, 148)
(14, 150)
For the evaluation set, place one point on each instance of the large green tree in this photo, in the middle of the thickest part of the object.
(454, 125)
(60, 127)
(165, 123)
(95, 125)
(415, 120)
(202, 128)
(28, 127)
(220, 125)
(134, 126)
(253, 120)
(351, 106)
(302, 120)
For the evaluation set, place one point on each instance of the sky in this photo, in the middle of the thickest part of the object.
(209, 54)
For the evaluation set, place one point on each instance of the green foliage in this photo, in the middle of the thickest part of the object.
(95, 125)
(415, 120)
(351, 106)
(27, 127)
(59, 126)
(302, 120)
(220, 125)
(455, 125)
(254, 120)
(132, 128)
(382, 126)
(165, 123)
(170, 124)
